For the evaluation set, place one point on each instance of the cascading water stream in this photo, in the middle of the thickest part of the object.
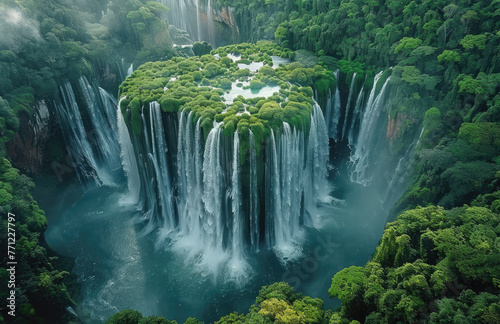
(332, 111)
(75, 137)
(189, 173)
(130, 69)
(177, 14)
(210, 21)
(295, 182)
(348, 106)
(316, 184)
(189, 181)
(129, 162)
(328, 110)
(237, 234)
(396, 186)
(101, 110)
(42, 116)
(361, 155)
(207, 220)
(291, 162)
(355, 117)
(198, 26)
(273, 195)
(253, 197)
(159, 159)
(93, 151)
(213, 189)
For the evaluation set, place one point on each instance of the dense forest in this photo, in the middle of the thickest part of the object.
(438, 260)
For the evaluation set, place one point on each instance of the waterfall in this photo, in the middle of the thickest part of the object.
(110, 104)
(159, 159)
(273, 195)
(236, 198)
(318, 139)
(253, 197)
(315, 175)
(210, 21)
(101, 108)
(93, 152)
(187, 15)
(348, 106)
(332, 111)
(396, 186)
(296, 181)
(361, 154)
(148, 175)
(75, 137)
(189, 175)
(208, 207)
(355, 117)
(291, 160)
(189, 166)
(42, 117)
(184, 150)
(121, 69)
(213, 188)
(177, 14)
(336, 115)
(198, 26)
(129, 162)
(211, 216)
(328, 110)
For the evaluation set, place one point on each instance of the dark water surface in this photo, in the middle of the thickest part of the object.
(119, 267)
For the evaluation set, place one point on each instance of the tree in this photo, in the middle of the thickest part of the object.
(470, 42)
(127, 316)
(312, 309)
(449, 56)
(280, 312)
(202, 48)
(407, 44)
(280, 34)
(349, 286)
(278, 290)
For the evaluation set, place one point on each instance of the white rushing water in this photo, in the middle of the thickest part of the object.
(159, 158)
(253, 197)
(198, 25)
(204, 213)
(332, 111)
(187, 15)
(129, 162)
(94, 151)
(296, 180)
(356, 116)
(177, 13)
(361, 155)
(210, 22)
(348, 106)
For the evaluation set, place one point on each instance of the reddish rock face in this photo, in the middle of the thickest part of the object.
(394, 127)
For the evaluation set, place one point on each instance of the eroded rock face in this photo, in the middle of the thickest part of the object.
(28, 150)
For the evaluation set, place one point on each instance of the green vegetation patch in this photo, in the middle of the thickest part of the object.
(199, 84)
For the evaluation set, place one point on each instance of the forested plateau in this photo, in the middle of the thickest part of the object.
(438, 260)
